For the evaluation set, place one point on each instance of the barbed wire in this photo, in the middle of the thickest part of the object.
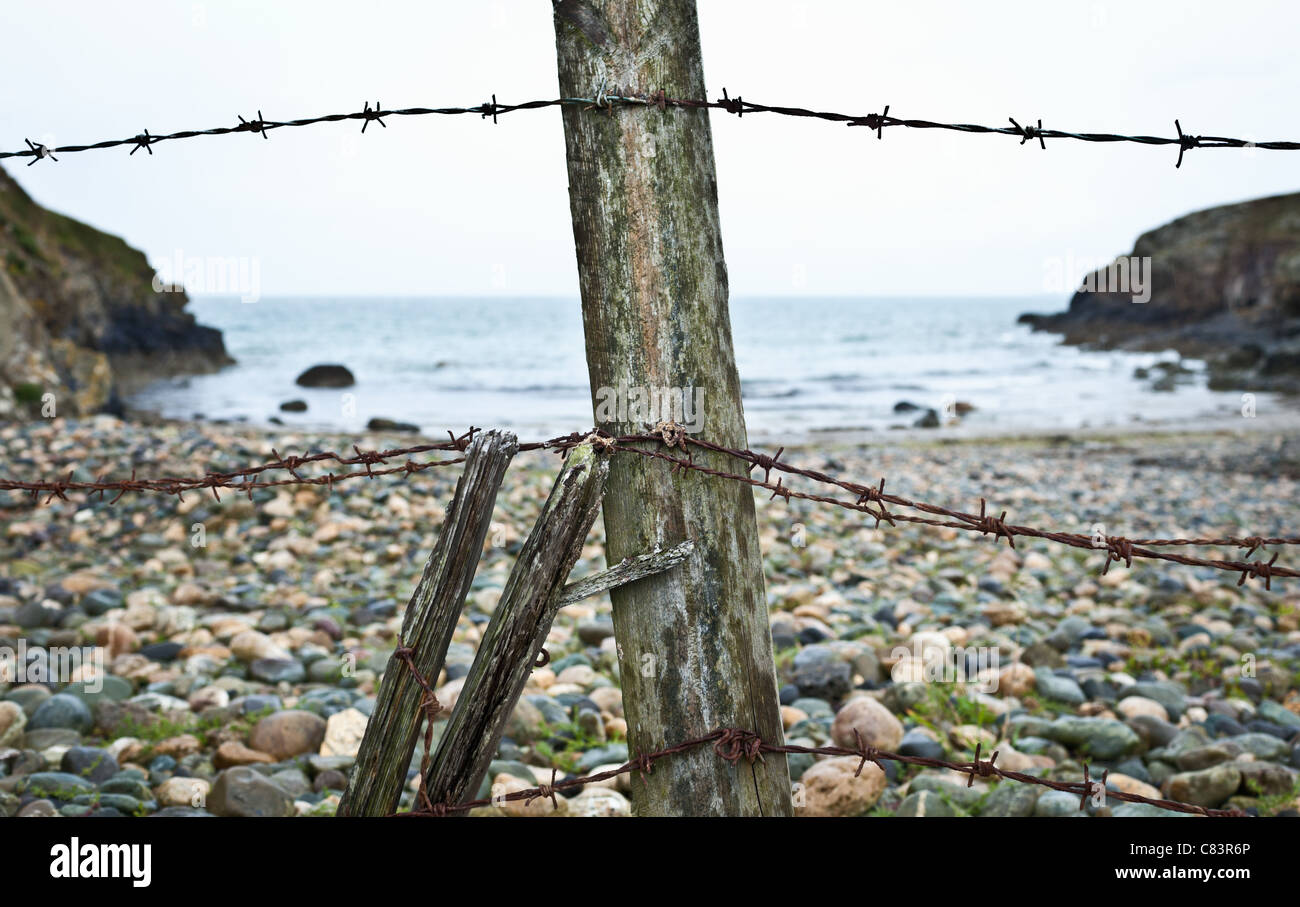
(672, 436)
(601, 100)
(1116, 547)
(246, 481)
(734, 744)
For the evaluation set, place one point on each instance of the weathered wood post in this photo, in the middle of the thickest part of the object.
(518, 629)
(696, 650)
(385, 755)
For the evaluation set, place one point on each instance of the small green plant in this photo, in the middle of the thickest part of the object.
(26, 241)
(785, 658)
(153, 730)
(324, 809)
(14, 264)
(939, 710)
(575, 738)
(1274, 803)
(28, 393)
(565, 761)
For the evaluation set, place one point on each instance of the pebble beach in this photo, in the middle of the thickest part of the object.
(234, 647)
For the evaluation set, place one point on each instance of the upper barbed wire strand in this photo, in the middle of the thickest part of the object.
(876, 122)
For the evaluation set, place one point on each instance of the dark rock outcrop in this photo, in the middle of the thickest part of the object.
(79, 316)
(1225, 287)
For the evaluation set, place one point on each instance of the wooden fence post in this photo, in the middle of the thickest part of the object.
(389, 742)
(518, 629)
(696, 646)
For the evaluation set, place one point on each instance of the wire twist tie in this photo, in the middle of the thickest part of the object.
(734, 105)
(373, 116)
(874, 121)
(1259, 568)
(40, 152)
(258, 125)
(1185, 142)
(1029, 133)
(144, 140)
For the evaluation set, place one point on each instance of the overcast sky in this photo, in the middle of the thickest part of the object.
(441, 205)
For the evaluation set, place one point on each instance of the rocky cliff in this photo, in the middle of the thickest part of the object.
(1225, 287)
(79, 317)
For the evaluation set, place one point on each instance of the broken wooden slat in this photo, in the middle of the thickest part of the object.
(389, 742)
(629, 570)
(518, 629)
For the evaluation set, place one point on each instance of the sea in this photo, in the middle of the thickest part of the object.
(807, 365)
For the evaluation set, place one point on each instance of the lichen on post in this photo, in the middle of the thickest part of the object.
(695, 647)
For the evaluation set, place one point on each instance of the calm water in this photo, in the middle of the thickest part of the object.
(806, 365)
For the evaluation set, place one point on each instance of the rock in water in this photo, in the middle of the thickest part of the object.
(381, 424)
(930, 419)
(326, 376)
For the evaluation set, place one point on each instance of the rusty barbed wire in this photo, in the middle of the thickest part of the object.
(734, 744)
(670, 435)
(246, 481)
(607, 102)
(1116, 547)
(428, 710)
